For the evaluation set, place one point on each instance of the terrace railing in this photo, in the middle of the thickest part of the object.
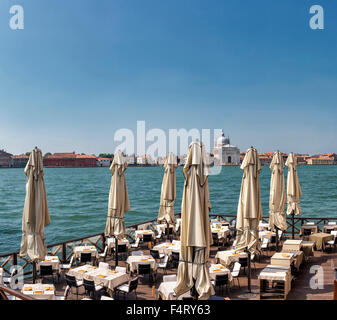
(64, 249)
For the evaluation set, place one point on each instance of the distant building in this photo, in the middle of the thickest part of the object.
(5, 159)
(70, 160)
(225, 153)
(131, 160)
(321, 160)
(145, 160)
(104, 162)
(20, 161)
(161, 161)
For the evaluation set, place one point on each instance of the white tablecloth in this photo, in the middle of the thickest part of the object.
(39, 291)
(111, 242)
(53, 261)
(266, 234)
(263, 226)
(166, 292)
(1, 276)
(222, 232)
(282, 259)
(228, 257)
(167, 248)
(215, 269)
(101, 276)
(134, 261)
(140, 233)
(277, 273)
(92, 249)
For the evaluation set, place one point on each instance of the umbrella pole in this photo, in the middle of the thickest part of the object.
(293, 223)
(34, 271)
(276, 228)
(249, 271)
(116, 251)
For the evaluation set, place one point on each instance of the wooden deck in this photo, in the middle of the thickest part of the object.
(300, 289)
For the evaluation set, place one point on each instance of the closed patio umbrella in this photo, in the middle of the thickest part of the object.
(168, 190)
(35, 212)
(249, 211)
(277, 198)
(118, 198)
(293, 189)
(196, 237)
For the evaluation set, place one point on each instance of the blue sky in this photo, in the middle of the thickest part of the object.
(82, 69)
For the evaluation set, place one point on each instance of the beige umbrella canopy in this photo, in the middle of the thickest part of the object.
(35, 212)
(277, 199)
(118, 198)
(196, 237)
(249, 210)
(293, 186)
(168, 190)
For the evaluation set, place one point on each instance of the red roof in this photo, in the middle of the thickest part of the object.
(20, 156)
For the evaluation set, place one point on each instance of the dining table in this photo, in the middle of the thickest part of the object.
(101, 276)
(39, 291)
(228, 257)
(320, 239)
(134, 261)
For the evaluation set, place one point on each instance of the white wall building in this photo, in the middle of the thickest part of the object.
(103, 162)
(225, 153)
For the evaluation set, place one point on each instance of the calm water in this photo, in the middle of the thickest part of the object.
(78, 197)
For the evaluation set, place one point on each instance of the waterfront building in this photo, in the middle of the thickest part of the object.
(145, 160)
(161, 161)
(20, 161)
(131, 160)
(70, 160)
(5, 159)
(320, 160)
(104, 162)
(225, 153)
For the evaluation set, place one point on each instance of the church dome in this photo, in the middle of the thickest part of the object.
(222, 141)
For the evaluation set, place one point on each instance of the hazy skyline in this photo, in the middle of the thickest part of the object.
(80, 70)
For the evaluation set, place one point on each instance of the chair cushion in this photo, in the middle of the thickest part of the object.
(79, 283)
(124, 288)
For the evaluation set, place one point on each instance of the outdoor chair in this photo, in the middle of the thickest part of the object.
(221, 280)
(92, 289)
(145, 269)
(136, 244)
(66, 266)
(73, 283)
(306, 233)
(244, 263)
(104, 254)
(122, 250)
(121, 269)
(169, 233)
(328, 231)
(236, 272)
(332, 243)
(46, 271)
(175, 259)
(156, 255)
(265, 245)
(65, 294)
(85, 257)
(103, 265)
(163, 265)
(159, 235)
(215, 238)
(128, 288)
(147, 238)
